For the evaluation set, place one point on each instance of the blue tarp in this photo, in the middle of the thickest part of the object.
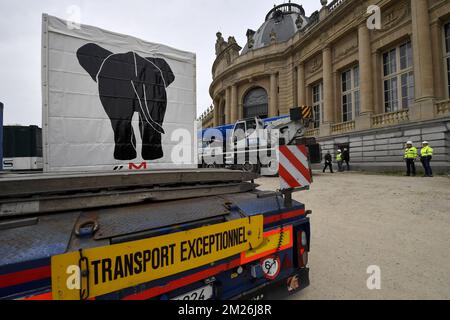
(203, 134)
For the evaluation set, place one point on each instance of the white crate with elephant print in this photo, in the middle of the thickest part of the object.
(115, 102)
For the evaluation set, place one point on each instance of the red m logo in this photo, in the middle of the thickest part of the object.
(142, 166)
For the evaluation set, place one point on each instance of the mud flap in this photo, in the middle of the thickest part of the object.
(279, 290)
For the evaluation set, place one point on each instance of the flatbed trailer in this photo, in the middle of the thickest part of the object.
(46, 220)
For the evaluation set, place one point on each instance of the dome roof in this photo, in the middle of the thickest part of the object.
(282, 23)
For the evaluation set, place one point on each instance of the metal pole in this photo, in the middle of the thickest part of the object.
(287, 197)
(1, 136)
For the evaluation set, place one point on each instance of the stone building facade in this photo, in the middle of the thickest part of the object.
(207, 118)
(371, 89)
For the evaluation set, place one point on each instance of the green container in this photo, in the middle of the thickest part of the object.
(22, 142)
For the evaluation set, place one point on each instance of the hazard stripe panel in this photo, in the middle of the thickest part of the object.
(294, 168)
(306, 112)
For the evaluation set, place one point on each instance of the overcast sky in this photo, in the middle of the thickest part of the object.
(189, 25)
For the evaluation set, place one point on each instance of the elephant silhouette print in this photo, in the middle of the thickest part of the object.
(129, 83)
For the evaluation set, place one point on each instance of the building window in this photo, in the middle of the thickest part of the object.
(398, 78)
(351, 106)
(317, 94)
(447, 55)
(256, 104)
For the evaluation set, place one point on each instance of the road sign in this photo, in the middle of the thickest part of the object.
(294, 168)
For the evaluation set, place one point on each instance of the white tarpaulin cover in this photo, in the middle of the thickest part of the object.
(114, 102)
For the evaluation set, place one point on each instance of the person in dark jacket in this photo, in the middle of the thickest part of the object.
(346, 158)
(328, 162)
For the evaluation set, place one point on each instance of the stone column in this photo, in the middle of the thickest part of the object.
(241, 110)
(377, 83)
(438, 71)
(234, 104)
(423, 61)
(216, 113)
(301, 90)
(228, 106)
(328, 87)
(365, 68)
(273, 96)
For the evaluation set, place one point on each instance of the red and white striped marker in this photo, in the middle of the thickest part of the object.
(294, 167)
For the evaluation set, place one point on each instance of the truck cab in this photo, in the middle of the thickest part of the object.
(250, 144)
(247, 139)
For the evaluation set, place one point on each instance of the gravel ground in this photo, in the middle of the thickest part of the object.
(400, 224)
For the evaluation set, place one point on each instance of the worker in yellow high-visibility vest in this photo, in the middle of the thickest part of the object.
(426, 154)
(410, 158)
(340, 160)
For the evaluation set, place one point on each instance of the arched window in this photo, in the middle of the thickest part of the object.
(256, 104)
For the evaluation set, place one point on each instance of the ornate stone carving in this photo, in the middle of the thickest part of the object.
(250, 38)
(220, 43)
(273, 36)
(345, 51)
(226, 52)
(315, 64)
(323, 37)
(299, 22)
(231, 40)
(359, 11)
(228, 58)
(345, 47)
(394, 17)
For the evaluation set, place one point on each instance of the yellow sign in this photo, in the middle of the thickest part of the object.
(274, 240)
(306, 112)
(126, 265)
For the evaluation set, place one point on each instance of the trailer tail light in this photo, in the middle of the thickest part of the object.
(302, 245)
